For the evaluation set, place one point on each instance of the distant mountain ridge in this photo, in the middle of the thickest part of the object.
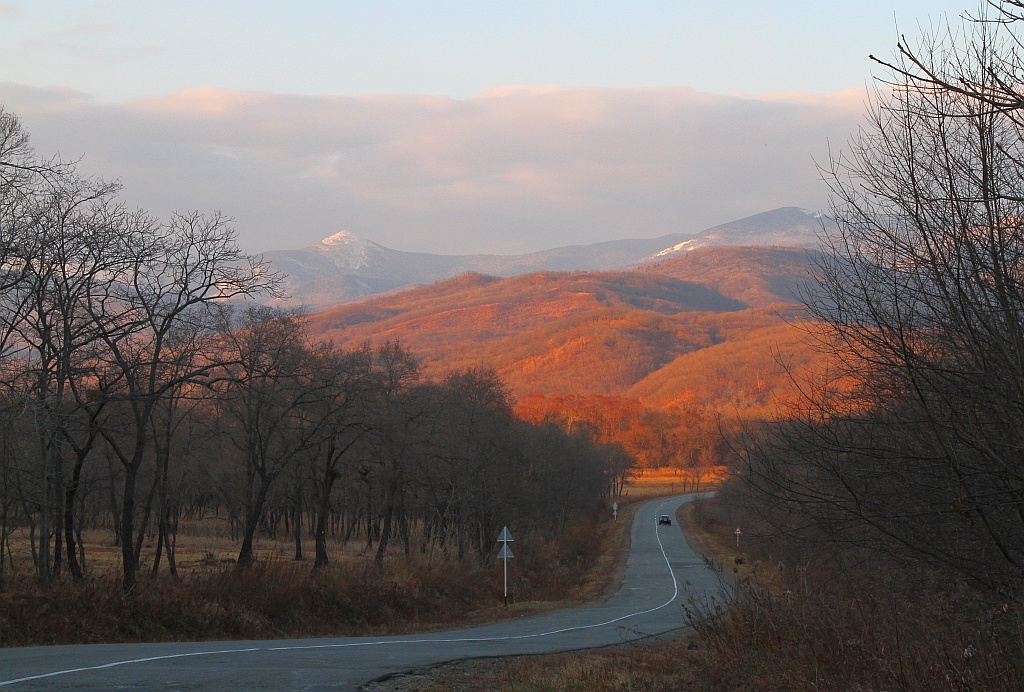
(344, 266)
(784, 227)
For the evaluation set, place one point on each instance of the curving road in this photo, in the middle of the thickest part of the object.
(661, 572)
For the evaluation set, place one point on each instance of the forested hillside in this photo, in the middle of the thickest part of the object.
(755, 276)
(660, 360)
(715, 328)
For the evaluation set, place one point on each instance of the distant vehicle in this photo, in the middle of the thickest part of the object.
(664, 519)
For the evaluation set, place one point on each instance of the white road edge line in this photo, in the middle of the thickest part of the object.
(420, 640)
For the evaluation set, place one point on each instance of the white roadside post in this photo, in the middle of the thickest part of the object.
(504, 554)
(738, 534)
(615, 511)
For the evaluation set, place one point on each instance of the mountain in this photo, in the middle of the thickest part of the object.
(545, 332)
(643, 333)
(474, 318)
(787, 226)
(344, 266)
(748, 372)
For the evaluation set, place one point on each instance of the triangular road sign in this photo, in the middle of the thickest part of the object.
(505, 553)
(505, 536)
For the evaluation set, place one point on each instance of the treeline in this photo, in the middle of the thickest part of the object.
(140, 386)
(680, 438)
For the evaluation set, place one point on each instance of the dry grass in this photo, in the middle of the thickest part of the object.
(667, 483)
(201, 546)
(271, 600)
(653, 665)
(284, 598)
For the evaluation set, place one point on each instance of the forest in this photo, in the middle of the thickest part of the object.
(143, 386)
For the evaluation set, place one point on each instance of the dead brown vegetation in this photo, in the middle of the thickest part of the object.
(278, 597)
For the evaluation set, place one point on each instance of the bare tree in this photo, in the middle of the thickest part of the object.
(55, 229)
(171, 279)
(351, 386)
(400, 426)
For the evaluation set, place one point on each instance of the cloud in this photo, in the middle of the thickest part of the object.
(510, 170)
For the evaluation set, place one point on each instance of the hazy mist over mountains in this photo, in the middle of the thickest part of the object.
(344, 266)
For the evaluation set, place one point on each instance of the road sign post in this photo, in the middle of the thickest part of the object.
(504, 554)
(615, 511)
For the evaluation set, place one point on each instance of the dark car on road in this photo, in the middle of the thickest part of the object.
(665, 519)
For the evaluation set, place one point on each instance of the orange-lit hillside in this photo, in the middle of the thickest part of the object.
(747, 376)
(550, 332)
(677, 436)
(711, 341)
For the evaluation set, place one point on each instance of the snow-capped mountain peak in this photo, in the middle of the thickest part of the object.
(343, 238)
(347, 250)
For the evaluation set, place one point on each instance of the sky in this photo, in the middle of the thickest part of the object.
(452, 127)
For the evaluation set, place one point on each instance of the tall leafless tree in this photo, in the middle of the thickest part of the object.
(171, 280)
(55, 230)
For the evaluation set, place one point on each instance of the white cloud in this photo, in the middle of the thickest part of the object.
(510, 170)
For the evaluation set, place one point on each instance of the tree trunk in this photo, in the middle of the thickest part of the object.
(172, 531)
(115, 511)
(70, 492)
(129, 561)
(322, 511)
(58, 523)
(43, 565)
(144, 524)
(252, 522)
(161, 535)
(385, 534)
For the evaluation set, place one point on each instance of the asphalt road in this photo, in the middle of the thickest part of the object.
(661, 573)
